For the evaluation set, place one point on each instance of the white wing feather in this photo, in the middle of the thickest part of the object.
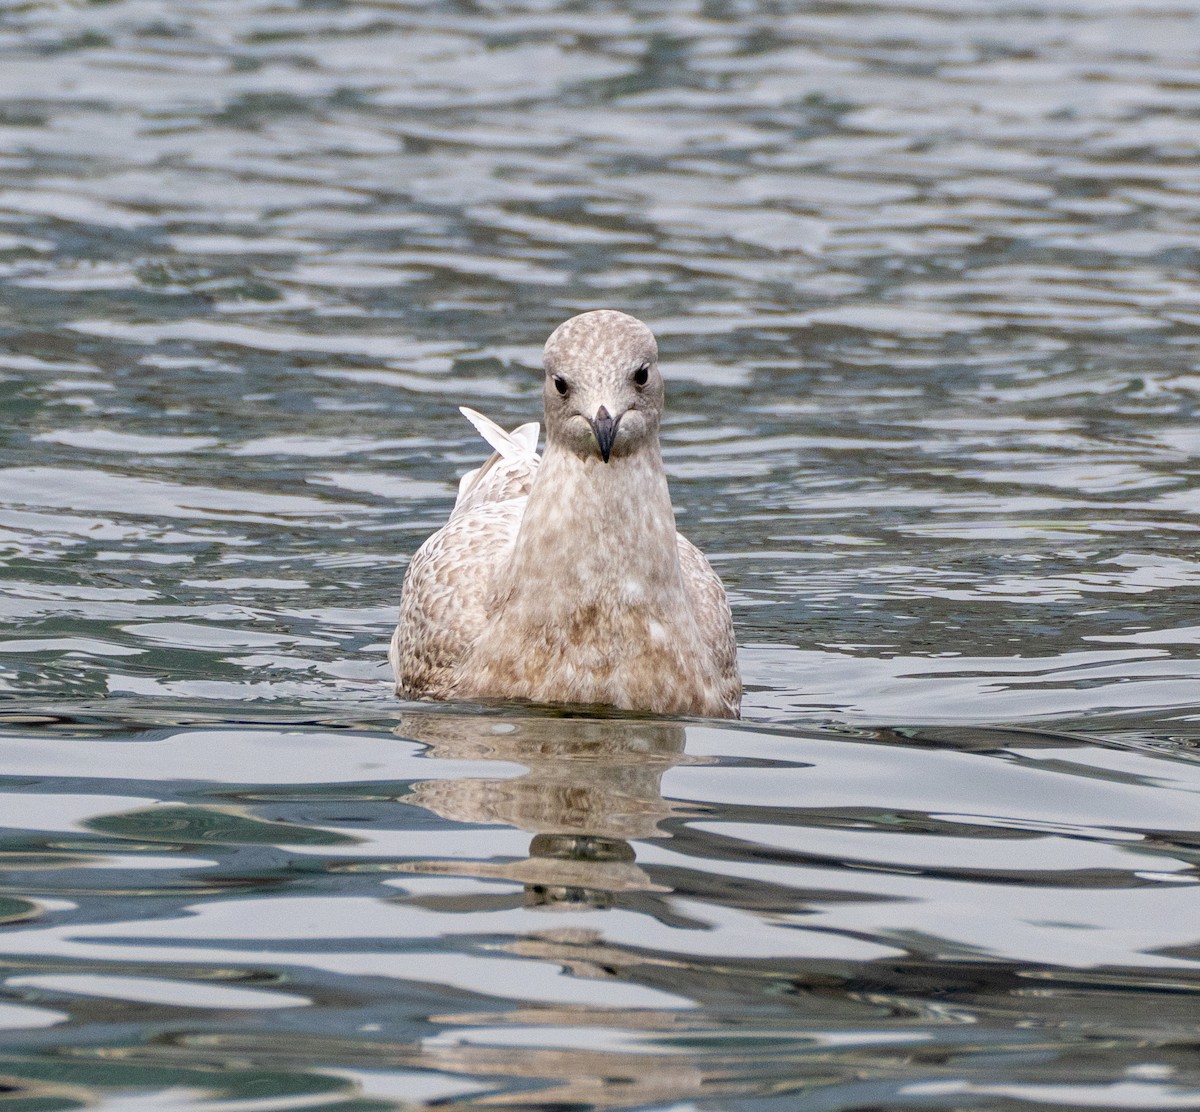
(505, 474)
(520, 444)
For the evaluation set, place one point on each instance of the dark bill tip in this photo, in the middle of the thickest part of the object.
(605, 429)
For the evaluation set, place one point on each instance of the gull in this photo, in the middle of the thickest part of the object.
(561, 578)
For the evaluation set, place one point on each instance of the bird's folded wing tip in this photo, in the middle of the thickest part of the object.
(520, 443)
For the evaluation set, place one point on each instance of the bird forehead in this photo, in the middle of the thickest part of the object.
(600, 339)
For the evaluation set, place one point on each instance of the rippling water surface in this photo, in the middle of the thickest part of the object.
(925, 281)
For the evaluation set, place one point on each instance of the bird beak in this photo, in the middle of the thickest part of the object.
(605, 429)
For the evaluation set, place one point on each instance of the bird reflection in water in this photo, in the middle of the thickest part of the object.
(592, 786)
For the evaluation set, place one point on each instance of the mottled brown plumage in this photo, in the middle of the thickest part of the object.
(563, 580)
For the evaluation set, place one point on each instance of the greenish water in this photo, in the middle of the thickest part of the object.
(924, 281)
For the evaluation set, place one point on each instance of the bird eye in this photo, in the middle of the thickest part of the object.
(642, 375)
(560, 384)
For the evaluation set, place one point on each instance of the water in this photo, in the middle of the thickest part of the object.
(924, 279)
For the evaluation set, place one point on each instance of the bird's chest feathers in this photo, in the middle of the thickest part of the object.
(595, 535)
(595, 617)
(592, 606)
(605, 651)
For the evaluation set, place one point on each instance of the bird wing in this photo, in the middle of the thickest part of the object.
(444, 602)
(507, 473)
(443, 606)
(713, 616)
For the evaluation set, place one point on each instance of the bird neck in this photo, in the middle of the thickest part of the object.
(596, 534)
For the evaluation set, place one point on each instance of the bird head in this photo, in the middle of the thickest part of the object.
(603, 392)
